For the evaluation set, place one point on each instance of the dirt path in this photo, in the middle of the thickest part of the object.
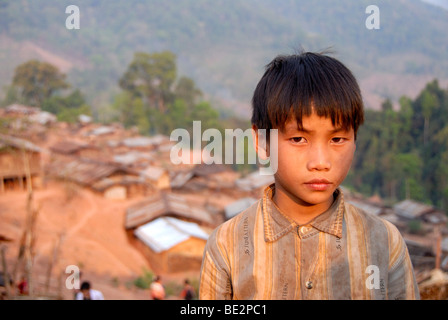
(66, 230)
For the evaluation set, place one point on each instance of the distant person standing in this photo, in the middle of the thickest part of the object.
(157, 291)
(87, 293)
(23, 286)
(188, 291)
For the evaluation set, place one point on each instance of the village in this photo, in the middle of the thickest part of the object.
(110, 202)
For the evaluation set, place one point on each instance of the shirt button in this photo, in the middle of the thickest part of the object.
(303, 230)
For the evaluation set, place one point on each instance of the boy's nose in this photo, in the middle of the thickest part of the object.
(319, 159)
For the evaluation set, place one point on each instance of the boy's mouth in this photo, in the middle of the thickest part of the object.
(318, 184)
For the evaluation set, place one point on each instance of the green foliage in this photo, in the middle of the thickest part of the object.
(415, 226)
(37, 81)
(12, 95)
(172, 288)
(71, 115)
(224, 44)
(187, 91)
(39, 84)
(150, 76)
(67, 108)
(151, 102)
(404, 153)
(144, 281)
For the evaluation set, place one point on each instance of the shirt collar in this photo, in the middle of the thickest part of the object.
(277, 224)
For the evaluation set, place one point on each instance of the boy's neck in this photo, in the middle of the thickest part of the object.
(296, 209)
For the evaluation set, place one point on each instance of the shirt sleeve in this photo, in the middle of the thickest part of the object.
(401, 281)
(99, 295)
(215, 281)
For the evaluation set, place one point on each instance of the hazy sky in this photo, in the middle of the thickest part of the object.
(440, 3)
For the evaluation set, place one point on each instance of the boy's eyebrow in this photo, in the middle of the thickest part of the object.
(292, 128)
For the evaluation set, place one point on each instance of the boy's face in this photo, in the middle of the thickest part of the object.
(86, 293)
(314, 161)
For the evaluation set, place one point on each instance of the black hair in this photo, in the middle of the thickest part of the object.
(296, 85)
(85, 285)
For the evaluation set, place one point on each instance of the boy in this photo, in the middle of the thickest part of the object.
(302, 240)
(87, 293)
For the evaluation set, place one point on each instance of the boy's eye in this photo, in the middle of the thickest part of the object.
(338, 140)
(296, 140)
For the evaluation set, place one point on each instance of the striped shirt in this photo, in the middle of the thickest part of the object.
(344, 253)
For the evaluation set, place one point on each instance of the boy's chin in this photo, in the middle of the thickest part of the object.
(315, 198)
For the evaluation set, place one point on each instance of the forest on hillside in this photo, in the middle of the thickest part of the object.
(403, 154)
(222, 45)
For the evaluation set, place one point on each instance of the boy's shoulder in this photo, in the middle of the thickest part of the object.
(378, 228)
(368, 220)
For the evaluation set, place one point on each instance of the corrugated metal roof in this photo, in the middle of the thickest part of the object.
(20, 108)
(164, 204)
(131, 157)
(153, 172)
(138, 142)
(159, 139)
(67, 147)
(43, 117)
(166, 147)
(83, 171)
(164, 233)
(84, 118)
(101, 130)
(18, 143)
(411, 209)
(238, 206)
(369, 208)
(105, 183)
(181, 178)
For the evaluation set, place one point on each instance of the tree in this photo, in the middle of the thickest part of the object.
(12, 95)
(428, 102)
(187, 91)
(150, 76)
(67, 108)
(155, 102)
(404, 153)
(37, 81)
(207, 115)
(130, 111)
(442, 169)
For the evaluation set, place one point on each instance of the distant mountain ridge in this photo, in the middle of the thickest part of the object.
(224, 45)
(439, 3)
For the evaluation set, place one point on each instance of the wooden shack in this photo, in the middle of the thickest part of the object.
(169, 231)
(18, 159)
(171, 245)
(111, 180)
(68, 148)
(202, 177)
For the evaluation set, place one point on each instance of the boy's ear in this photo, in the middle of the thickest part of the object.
(260, 144)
